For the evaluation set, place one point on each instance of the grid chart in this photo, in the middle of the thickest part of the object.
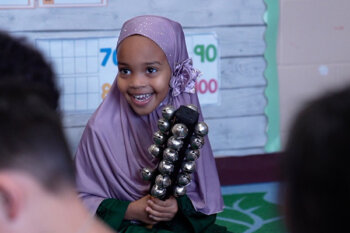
(76, 63)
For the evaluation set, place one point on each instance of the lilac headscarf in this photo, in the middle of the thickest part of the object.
(113, 148)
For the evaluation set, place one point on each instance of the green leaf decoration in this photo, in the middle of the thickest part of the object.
(250, 212)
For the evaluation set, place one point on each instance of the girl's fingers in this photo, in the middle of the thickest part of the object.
(157, 207)
(161, 210)
(157, 214)
(159, 202)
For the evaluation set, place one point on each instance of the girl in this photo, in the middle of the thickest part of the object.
(154, 71)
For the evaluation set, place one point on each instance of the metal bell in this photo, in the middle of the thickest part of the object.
(146, 173)
(188, 166)
(163, 125)
(192, 155)
(180, 130)
(201, 129)
(193, 107)
(179, 191)
(168, 112)
(184, 179)
(175, 143)
(170, 155)
(159, 138)
(197, 142)
(163, 181)
(165, 167)
(154, 150)
(157, 191)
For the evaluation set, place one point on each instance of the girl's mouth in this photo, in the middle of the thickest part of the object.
(141, 99)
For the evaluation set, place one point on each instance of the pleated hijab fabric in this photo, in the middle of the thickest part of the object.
(113, 147)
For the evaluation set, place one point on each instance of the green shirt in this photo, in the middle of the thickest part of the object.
(187, 219)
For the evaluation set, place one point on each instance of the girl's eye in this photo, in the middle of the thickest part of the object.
(124, 71)
(151, 70)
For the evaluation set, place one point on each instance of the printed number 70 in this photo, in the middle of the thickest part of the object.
(108, 52)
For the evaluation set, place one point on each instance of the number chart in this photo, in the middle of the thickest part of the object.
(203, 49)
(8, 4)
(86, 68)
(18, 4)
(71, 3)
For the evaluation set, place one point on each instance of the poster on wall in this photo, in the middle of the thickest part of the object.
(21, 4)
(71, 3)
(87, 67)
(13, 4)
(203, 49)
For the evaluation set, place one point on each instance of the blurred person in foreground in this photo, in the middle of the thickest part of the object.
(37, 188)
(22, 64)
(316, 178)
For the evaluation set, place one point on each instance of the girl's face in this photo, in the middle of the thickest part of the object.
(144, 73)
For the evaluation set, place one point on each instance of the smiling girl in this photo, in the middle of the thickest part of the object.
(154, 70)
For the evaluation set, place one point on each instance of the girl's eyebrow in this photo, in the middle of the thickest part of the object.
(153, 63)
(122, 63)
(146, 63)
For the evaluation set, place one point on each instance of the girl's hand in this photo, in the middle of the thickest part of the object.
(137, 211)
(159, 210)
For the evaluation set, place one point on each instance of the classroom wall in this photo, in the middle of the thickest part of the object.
(313, 53)
(238, 123)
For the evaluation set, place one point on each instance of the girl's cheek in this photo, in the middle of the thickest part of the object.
(120, 83)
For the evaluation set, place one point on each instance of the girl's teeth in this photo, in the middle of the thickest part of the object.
(142, 97)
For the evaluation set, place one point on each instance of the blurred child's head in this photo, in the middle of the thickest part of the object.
(32, 140)
(316, 166)
(153, 59)
(22, 64)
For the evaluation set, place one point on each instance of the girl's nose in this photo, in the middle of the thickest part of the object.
(137, 81)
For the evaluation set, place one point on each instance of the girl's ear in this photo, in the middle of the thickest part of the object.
(10, 197)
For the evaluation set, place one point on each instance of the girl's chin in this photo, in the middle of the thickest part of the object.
(143, 108)
(142, 111)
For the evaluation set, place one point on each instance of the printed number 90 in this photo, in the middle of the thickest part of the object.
(209, 53)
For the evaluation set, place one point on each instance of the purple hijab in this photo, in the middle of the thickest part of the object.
(113, 148)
